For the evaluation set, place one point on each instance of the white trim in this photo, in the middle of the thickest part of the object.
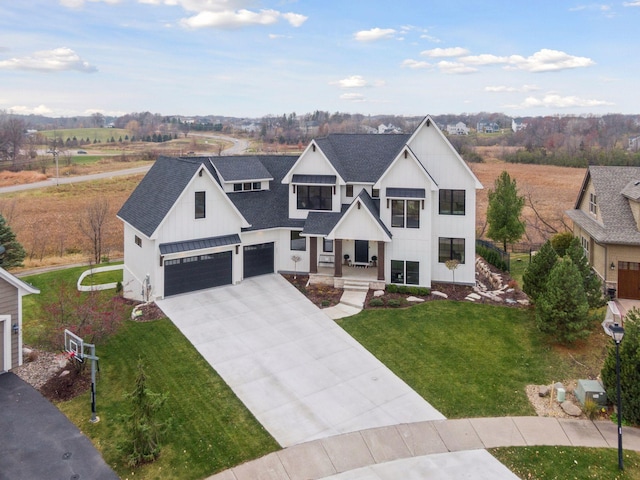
(385, 235)
(287, 178)
(432, 182)
(7, 342)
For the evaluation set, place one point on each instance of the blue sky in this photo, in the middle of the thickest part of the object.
(258, 57)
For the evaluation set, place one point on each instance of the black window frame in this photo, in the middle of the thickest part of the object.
(200, 207)
(446, 250)
(314, 197)
(397, 213)
(137, 240)
(405, 272)
(325, 242)
(450, 202)
(410, 215)
(237, 187)
(297, 242)
(349, 190)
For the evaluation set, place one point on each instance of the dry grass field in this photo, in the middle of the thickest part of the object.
(46, 221)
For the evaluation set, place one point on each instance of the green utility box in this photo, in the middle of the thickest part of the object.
(591, 390)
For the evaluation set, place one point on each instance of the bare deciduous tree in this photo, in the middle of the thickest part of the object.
(92, 225)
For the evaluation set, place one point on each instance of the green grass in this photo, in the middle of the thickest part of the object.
(519, 263)
(467, 360)
(568, 463)
(103, 277)
(100, 134)
(210, 430)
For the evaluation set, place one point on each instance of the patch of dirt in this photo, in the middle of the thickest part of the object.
(147, 312)
(321, 295)
(65, 386)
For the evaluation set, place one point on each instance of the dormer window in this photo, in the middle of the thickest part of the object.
(247, 186)
(593, 203)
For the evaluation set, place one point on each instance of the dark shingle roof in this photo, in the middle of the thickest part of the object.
(618, 224)
(314, 179)
(374, 208)
(199, 244)
(158, 191)
(241, 168)
(321, 223)
(361, 157)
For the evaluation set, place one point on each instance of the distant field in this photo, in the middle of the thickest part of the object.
(100, 134)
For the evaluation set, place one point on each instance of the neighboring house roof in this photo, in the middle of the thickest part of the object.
(361, 158)
(158, 191)
(618, 225)
(231, 169)
(23, 287)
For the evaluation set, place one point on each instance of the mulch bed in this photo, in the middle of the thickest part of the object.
(60, 388)
(321, 295)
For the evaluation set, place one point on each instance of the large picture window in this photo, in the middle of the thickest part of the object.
(312, 197)
(298, 242)
(452, 202)
(405, 213)
(200, 205)
(405, 272)
(450, 249)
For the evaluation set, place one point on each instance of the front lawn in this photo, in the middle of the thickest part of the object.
(465, 359)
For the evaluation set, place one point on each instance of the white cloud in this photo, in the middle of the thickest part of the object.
(632, 4)
(455, 67)
(295, 19)
(56, 60)
(353, 97)
(275, 36)
(484, 59)
(445, 52)
(504, 88)
(410, 63)
(553, 100)
(547, 60)
(354, 81)
(231, 19)
(374, 34)
(24, 110)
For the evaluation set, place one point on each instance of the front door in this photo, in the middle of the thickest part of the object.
(362, 251)
(629, 280)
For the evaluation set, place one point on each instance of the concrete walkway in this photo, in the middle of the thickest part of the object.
(440, 449)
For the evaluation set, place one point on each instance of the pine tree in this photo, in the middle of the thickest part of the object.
(629, 369)
(536, 275)
(14, 252)
(561, 241)
(562, 309)
(504, 210)
(590, 281)
(145, 430)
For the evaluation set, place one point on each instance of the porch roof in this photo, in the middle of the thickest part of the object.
(320, 224)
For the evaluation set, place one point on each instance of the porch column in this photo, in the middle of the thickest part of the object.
(313, 254)
(337, 261)
(381, 260)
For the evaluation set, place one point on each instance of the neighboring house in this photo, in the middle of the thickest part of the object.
(12, 289)
(517, 125)
(634, 144)
(408, 200)
(382, 128)
(487, 127)
(606, 219)
(458, 129)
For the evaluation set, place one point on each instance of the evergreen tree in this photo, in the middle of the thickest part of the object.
(144, 429)
(629, 369)
(590, 281)
(561, 241)
(562, 309)
(536, 275)
(14, 253)
(504, 210)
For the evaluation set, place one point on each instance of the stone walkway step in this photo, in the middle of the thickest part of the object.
(342, 453)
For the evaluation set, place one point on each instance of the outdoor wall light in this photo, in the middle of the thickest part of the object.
(15, 328)
(612, 266)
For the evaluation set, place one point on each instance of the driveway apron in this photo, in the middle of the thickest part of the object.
(300, 374)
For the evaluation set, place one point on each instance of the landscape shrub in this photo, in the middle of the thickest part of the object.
(376, 302)
(629, 369)
(492, 257)
(535, 276)
(325, 303)
(561, 241)
(394, 302)
(392, 288)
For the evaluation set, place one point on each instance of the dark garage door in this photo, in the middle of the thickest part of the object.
(258, 259)
(197, 273)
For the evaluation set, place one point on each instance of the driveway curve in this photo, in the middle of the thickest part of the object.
(301, 375)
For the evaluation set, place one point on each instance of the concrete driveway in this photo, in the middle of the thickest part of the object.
(301, 375)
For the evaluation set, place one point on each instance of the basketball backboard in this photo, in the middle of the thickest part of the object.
(73, 345)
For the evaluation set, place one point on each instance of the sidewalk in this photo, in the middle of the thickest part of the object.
(450, 444)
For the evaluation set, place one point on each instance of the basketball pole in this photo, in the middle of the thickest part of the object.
(94, 360)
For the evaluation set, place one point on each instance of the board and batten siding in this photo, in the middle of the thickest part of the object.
(10, 305)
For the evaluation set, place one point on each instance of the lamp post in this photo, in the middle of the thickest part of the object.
(617, 332)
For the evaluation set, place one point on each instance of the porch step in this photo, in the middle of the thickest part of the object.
(356, 285)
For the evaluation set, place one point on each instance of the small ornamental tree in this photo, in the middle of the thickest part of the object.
(590, 281)
(504, 210)
(536, 274)
(14, 253)
(561, 241)
(629, 369)
(562, 309)
(144, 427)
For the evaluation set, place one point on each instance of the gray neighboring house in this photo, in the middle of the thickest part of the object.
(606, 219)
(12, 289)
